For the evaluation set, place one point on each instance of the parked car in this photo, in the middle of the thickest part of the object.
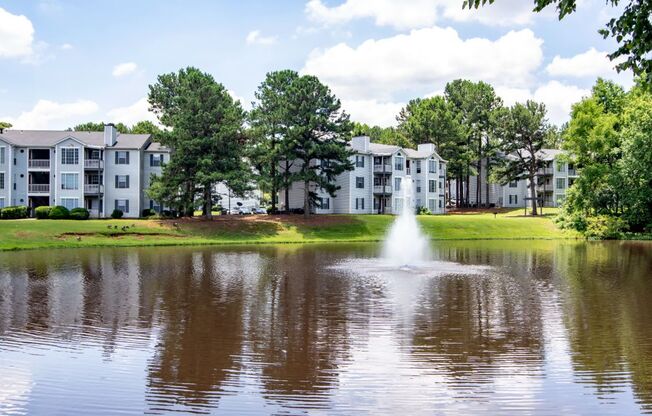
(234, 211)
(245, 211)
(262, 211)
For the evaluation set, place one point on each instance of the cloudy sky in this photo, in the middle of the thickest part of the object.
(64, 62)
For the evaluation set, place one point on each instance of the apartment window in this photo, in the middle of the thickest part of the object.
(324, 203)
(122, 158)
(69, 156)
(398, 163)
(359, 203)
(93, 179)
(441, 166)
(561, 166)
(69, 181)
(513, 199)
(418, 203)
(397, 184)
(2, 181)
(431, 205)
(155, 206)
(359, 161)
(441, 203)
(89, 204)
(432, 167)
(2, 202)
(70, 203)
(432, 187)
(359, 182)
(513, 184)
(418, 167)
(122, 205)
(418, 185)
(560, 199)
(2, 155)
(94, 154)
(571, 181)
(122, 181)
(441, 185)
(155, 160)
(398, 204)
(561, 183)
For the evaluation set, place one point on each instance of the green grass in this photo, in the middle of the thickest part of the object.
(29, 234)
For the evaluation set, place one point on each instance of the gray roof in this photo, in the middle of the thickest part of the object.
(550, 154)
(48, 138)
(383, 148)
(156, 147)
(415, 154)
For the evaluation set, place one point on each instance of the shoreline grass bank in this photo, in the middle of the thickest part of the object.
(236, 230)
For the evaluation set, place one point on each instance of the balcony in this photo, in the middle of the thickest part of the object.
(38, 188)
(386, 189)
(383, 168)
(93, 189)
(544, 171)
(38, 163)
(93, 164)
(573, 172)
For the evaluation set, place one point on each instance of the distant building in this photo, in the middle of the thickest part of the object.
(100, 171)
(374, 185)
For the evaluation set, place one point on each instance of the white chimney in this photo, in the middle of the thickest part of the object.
(426, 147)
(360, 143)
(110, 135)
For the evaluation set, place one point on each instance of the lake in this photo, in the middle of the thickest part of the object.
(502, 327)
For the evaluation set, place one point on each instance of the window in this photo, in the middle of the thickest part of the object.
(441, 203)
(153, 205)
(2, 180)
(561, 183)
(513, 184)
(324, 203)
(89, 204)
(122, 181)
(397, 184)
(2, 155)
(431, 205)
(155, 160)
(359, 161)
(441, 166)
(122, 205)
(513, 199)
(93, 179)
(560, 199)
(69, 181)
(441, 185)
(419, 203)
(432, 187)
(69, 156)
(418, 167)
(359, 203)
(2, 202)
(122, 158)
(571, 181)
(359, 182)
(432, 167)
(70, 203)
(94, 154)
(418, 185)
(398, 163)
(561, 166)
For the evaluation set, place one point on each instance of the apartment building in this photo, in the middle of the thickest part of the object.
(552, 181)
(376, 185)
(100, 171)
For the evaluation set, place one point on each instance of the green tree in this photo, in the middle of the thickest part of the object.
(99, 126)
(383, 135)
(523, 128)
(5, 125)
(632, 30)
(319, 131)
(205, 136)
(144, 127)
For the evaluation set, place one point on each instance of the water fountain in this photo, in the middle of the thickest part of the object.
(405, 244)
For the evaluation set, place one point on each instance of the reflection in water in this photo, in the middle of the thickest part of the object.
(541, 327)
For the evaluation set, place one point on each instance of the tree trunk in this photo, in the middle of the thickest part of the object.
(533, 194)
(287, 186)
(208, 202)
(274, 189)
(306, 199)
(467, 190)
(486, 182)
(478, 185)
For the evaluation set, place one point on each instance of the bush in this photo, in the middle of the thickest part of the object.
(14, 212)
(59, 213)
(147, 212)
(604, 227)
(79, 214)
(422, 211)
(117, 214)
(274, 211)
(43, 212)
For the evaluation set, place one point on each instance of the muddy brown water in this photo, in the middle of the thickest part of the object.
(507, 327)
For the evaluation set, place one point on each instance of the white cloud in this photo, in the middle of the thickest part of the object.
(373, 112)
(124, 69)
(419, 13)
(591, 63)
(133, 113)
(52, 115)
(66, 47)
(256, 38)
(425, 59)
(16, 35)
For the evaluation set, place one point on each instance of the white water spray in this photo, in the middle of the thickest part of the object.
(405, 244)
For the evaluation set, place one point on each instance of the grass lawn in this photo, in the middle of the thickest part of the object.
(26, 234)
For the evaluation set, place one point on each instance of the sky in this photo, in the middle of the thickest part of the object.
(63, 62)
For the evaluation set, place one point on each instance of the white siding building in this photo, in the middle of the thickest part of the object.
(100, 171)
(375, 184)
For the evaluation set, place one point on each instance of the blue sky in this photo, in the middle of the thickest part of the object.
(64, 62)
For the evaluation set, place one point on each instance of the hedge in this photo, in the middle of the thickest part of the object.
(59, 212)
(79, 214)
(13, 212)
(116, 214)
(42, 212)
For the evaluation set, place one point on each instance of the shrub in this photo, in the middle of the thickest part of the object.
(59, 213)
(117, 214)
(43, 212)
(422, 211)
(274, 211)
(14, 212)
(604, 227)
(147, 212)
(79, 214)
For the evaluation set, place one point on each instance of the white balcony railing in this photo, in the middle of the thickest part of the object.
(93, 189)
(39, 163)
(93, 164)
(38, 188)
(545, 171)
(382, 168)
(386, 189)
